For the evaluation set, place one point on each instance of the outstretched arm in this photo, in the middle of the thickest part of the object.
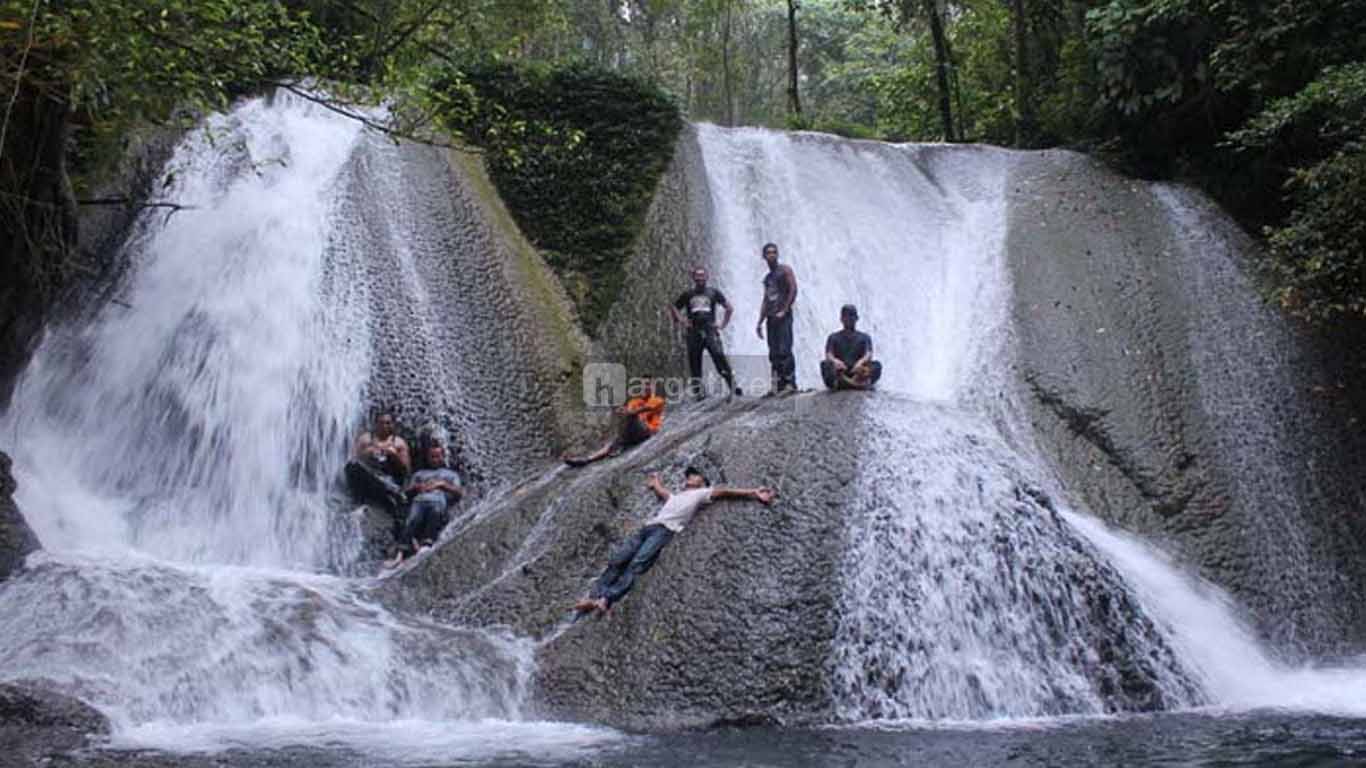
(658, 487)
(763, 495)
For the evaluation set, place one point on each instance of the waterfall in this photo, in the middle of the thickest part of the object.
(969, 592)
(176, 455)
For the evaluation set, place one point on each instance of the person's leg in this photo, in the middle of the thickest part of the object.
(780, 351)
(874, 371)
(371, 486)
(775, 354)
(434, 523)
(828, 375)
(419, 513)
(653, 539)
(696, 342)
(718, 359)
(616, 565)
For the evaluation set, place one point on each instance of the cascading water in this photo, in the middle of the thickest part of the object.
(967, 593)
(175, 458)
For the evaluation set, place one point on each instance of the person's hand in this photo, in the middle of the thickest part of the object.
(840, 366)
(687, 324)
(779, 314)
(759, 329)
(765, 495)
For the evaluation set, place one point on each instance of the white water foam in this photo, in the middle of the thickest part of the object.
(1208, 629)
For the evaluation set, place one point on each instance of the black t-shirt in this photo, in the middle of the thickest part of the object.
(849, 346)
(700, 305)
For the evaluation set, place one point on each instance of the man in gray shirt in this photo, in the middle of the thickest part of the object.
(638, 552)
(432, 491)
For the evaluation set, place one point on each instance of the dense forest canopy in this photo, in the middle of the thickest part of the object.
(1261, 103)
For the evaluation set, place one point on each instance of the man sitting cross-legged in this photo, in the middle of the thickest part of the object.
(849, 362)
(638, 552)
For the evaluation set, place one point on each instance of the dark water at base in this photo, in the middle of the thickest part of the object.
(1261, 739)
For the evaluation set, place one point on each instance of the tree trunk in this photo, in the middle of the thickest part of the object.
(794, 97)
(1024, 84)
(726, 87)
(941, 69)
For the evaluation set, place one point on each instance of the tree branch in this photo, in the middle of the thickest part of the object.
(128, 201)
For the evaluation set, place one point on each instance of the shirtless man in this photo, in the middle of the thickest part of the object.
(379, 464)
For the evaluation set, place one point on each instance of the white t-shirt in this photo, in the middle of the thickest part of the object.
(679, 509)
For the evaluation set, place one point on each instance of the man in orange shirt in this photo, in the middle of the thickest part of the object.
(644, 417)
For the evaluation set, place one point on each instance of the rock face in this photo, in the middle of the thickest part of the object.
(740, 619)
(1176, 404)
(639, 332)
(16, 538)
(736, 618)
(36, 723)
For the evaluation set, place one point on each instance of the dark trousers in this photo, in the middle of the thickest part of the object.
(780, 357)
(370, 485)
(710, 340)
(425, 521)
(833, 382)
(629, 560)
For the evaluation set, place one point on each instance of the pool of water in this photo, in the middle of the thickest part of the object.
(1185, 739)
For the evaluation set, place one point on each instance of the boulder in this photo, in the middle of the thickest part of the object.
(36, 723)
(17, 540)
(1174, 402)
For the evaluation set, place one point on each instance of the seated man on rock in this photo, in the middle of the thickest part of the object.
(638, 552)
(849, 362)
(432, 491)
(644, 416)
(379, 463)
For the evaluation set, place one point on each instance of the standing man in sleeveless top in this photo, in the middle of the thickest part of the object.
(780, 291)
(703, 331)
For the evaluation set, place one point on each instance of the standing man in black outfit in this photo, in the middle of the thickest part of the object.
(780, 291)
(849, 362)
(700, 304)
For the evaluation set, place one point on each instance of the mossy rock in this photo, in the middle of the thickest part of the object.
(576, 154)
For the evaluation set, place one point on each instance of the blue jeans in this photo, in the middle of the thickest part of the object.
(630, 559)
(426, 519)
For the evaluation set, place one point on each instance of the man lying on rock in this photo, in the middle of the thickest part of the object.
(638, 552)
(433, 491)
(849, 362)
(379, 463)
(644, 416)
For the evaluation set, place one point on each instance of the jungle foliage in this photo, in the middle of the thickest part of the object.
(1259, 103)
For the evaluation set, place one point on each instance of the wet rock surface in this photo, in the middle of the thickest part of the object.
(738, 620)
(17, 540)
(37, 724)
(472, 336)
(734, 620)
(1175, 403)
